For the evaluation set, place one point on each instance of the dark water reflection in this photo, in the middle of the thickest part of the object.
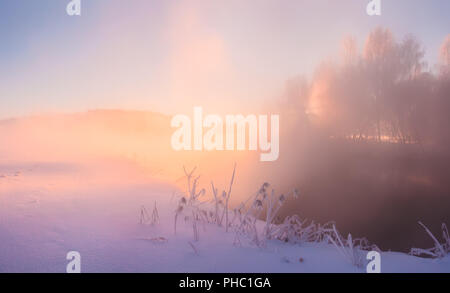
(377, 191)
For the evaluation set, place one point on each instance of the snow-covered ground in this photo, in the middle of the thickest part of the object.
(47, 210)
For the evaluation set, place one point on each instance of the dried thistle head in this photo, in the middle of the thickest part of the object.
(183, 201)
(258, 204)
(264, 187)
(282, 199)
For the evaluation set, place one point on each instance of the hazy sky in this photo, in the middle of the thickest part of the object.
(170, 55)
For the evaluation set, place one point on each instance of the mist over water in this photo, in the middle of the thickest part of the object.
(365, 141)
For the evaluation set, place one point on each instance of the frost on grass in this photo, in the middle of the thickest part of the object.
(267, 202)
(190, 205)
(353, 250)
(147, 218)
(257, 219)
(440, 250)
(155, 240)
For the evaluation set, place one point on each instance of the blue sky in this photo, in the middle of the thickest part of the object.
(168, 55)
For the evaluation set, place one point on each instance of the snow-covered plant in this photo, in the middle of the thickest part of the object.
(155, 240)
(295, 230)
(146, 218)
(274, 204)
(222, 202)
(440, 250)
(143, 216)
(264, 203)
(201, 212)
(155, 215)
(189, 205)
(251, 210)
(351, 249)
(248, 214)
